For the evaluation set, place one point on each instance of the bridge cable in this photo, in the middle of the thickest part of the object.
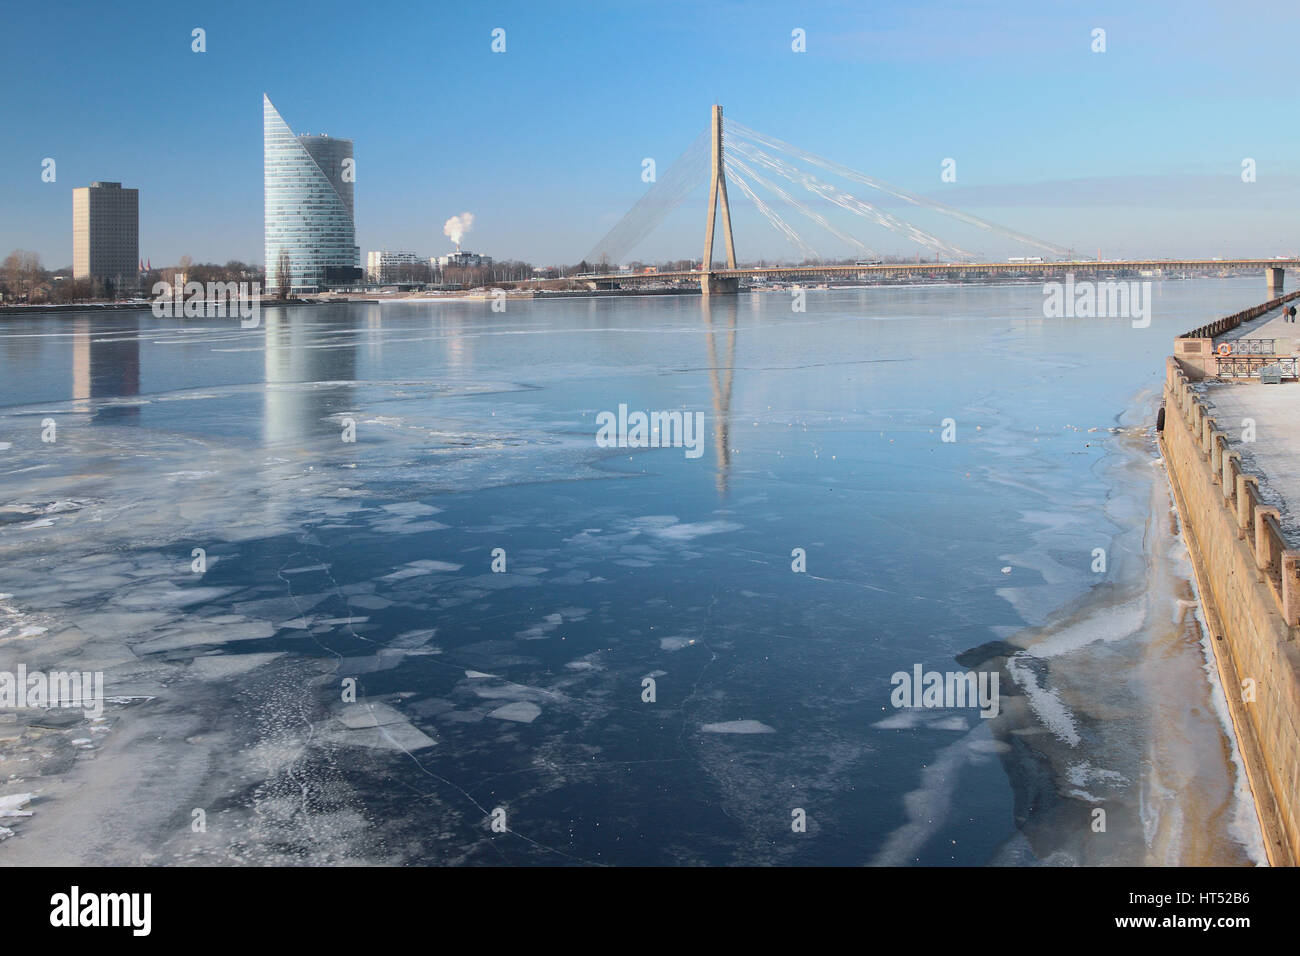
(688, 172)
(802, 207)
(852, 203)
(744, 132)
(771, 215)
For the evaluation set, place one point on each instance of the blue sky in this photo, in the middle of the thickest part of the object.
(1135, 151)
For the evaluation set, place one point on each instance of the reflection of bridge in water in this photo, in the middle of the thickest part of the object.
(720, 380)
(754, 160)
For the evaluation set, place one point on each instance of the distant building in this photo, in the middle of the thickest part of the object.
(462, 260)
(308, 185)
(106, 233)
(383, 265)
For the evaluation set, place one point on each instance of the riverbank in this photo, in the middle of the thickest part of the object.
(1109, 707)
(513, 293)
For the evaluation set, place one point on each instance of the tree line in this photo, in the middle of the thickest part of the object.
(23, 278)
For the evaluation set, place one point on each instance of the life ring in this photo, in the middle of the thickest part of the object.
(1225, 349)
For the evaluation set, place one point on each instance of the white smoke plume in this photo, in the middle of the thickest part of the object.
(456, 227)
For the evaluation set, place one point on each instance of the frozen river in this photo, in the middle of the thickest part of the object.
(364, 587)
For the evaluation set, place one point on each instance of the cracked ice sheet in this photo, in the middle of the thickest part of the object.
(196, 632)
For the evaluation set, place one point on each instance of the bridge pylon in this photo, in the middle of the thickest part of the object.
(710, 284)
(1275, 276)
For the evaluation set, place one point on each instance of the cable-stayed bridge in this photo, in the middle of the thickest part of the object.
(762, 166)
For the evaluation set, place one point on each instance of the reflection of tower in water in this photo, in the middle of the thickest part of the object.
(309, 376)
(727, 311)
(106, 364)
(459, 348)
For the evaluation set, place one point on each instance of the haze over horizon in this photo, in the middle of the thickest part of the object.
(1136, 151)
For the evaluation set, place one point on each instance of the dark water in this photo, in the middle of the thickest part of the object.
(522, 690)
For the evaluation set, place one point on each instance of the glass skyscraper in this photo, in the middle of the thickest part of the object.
(310, 232)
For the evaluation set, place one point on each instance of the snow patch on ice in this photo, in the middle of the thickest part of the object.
(675, 643)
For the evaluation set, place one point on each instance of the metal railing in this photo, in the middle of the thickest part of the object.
(1253, 346)
(1247, 366)
(1230, 322)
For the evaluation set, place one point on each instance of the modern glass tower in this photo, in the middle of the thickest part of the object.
(309, 231)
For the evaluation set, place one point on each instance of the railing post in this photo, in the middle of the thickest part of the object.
(1291, 587)
(1218, 441)
(1244, 502)
(1263, 542)
(1231, 468)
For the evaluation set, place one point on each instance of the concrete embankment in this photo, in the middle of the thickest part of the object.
(1248, 580)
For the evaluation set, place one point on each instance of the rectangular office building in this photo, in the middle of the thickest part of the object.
(383, 265)
(106, 233)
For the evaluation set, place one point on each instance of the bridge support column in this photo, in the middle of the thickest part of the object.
(717, 198)
(1275, 275)
(711, 284)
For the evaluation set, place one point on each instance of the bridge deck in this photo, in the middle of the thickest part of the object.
(960, 269)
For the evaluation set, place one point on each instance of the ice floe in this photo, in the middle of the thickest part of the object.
(377, 725)
(415, 569)
(738, 727)
(523, 711)
(675, 643)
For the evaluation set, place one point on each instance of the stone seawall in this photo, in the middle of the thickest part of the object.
(1250, 593)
